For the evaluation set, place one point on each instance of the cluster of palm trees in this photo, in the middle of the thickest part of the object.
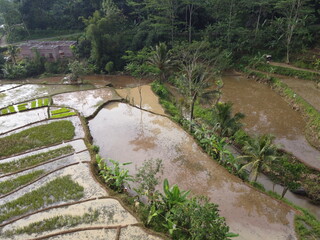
(259, 152)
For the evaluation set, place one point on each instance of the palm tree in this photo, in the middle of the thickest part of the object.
(226, 124)
(161, 59)
(260, 152)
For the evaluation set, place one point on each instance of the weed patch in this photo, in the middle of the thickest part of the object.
(33, 160)
(60, 189)
(34, 137)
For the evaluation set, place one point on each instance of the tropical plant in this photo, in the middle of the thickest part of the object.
(13, 52)
(223, 121)
(173, 195)
(162, 60)
(114, 175)
(260, 152)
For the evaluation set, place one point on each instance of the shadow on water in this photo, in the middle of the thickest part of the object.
(125, 133)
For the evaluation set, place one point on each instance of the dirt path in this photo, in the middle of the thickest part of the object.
(292, 67)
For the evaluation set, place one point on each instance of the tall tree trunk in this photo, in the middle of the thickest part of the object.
(258, 23)
(191, 9)
(193, 101)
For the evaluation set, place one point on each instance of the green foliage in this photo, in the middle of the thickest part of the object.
(60, 189)
(95, 148)
(114, 175)
(136, 63)
(289, 72)
(54, 223)
(62, 112)
(223, 121)
(260, 152)
(34, 160)
(77, 69)
(147, 178)
(159, 89)
(10, 185)
(184, 218)
(109, 67)
(34, 137)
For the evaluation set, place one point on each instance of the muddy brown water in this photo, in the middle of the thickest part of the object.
(125, 133)
(267, 113)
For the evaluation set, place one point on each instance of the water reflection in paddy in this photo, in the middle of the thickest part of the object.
(127, 134)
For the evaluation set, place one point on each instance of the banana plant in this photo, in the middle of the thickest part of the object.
(173, 195)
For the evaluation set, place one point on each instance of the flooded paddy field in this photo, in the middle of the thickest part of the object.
(141, 135)
(267, 113)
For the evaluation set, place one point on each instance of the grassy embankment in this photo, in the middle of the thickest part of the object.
(307, 75)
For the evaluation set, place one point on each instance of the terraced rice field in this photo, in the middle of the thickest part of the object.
(47, 188)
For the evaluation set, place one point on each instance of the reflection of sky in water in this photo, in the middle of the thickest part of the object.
(127, 134)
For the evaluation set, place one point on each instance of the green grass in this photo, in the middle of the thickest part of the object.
(40, 103)
(61, 110)
(54, 223)
(33, 104)
(11, 109)
(33, 160)
(10, 185)
(4, 111)
(58, 190)
(46, 102)
(23, 107)
(64, 115)
(44, 135)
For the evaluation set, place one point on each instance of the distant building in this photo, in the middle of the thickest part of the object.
(52, 50)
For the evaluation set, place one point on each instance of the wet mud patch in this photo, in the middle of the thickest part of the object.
(86, 102)
(184, 162)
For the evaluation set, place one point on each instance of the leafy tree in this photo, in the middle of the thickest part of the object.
(106, 31)
(287, 173)
(147, 177)
(77, 69)
(293, 16)
(260, 152)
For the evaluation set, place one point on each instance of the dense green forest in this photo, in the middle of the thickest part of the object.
(234, 28)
